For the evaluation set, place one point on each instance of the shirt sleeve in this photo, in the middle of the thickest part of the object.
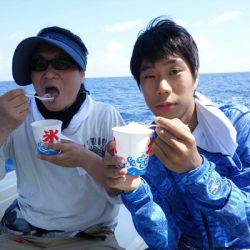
(224, 201)
(149, 219)
(4, 155)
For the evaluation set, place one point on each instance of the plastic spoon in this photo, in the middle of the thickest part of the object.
(46, 97)
(149, 125)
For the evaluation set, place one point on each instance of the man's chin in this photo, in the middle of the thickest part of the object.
(54, 108)
(168, 115)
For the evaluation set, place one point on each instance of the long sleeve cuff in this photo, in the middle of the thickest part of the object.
(138, 198)
(149, 219)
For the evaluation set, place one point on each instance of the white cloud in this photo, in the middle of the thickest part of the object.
(112, 60)
(202, 42)
(114, 54)
(206, 52)
(116, 58)
(226, 16)
(118, 27)
(113, 47)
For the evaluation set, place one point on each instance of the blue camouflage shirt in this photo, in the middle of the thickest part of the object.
(206, 208)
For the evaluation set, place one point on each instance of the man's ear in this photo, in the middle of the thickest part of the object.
(82, 74)
(196, 79)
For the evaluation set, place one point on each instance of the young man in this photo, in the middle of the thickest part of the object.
(195, 193)
(57, 207)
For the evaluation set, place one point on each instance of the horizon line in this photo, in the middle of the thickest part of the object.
(94, 77)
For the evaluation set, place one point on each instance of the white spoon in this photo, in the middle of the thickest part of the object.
(155, 125)
(149, 125)
(46, 97)
(152, 125)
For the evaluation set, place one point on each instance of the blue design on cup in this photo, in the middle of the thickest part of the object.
(137, 166)
(41, 149)
(131, 161)
(121, 166)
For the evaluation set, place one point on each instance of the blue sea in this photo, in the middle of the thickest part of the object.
(123, 93)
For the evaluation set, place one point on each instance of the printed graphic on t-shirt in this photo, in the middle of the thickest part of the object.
(97, 145)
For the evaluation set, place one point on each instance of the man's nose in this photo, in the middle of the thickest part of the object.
(50, 71)
(164, 87)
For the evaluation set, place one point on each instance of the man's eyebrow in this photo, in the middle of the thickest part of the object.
(172, 61)
(167, 62)
(146, 67)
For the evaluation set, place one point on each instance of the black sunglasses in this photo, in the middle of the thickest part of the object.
(38, 63)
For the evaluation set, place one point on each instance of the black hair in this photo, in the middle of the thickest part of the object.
(65, 32)
(163, 36)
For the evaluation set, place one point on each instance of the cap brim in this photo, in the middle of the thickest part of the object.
(24, 51)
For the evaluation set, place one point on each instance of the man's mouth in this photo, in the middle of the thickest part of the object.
(52, 91)
(166, 105)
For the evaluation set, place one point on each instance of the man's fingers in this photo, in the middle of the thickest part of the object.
(22, 108)
(165, 148)
(132, 182)
(19, 101)
(65, 141)
(113, 160)
(116, 182)
(23, 114)
(111, 147)
(51, 158)
(165, 137)
(55, 146)
(116, 172)
(157, 150)
(174, 126)
(127, 183)
(12, 94)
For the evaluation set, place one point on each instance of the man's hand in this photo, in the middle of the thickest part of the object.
(175, 146)
(103, 170)
(116, 177)
(72, 154)
(75, 155)
(14, 108)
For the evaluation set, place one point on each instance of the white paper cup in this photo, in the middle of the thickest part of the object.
(134, 147)
(47, 131)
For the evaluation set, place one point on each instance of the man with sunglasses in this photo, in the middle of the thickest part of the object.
(57, 207)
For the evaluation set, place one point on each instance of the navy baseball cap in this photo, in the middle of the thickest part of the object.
(24, 51)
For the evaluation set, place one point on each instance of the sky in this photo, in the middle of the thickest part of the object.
(109, 28)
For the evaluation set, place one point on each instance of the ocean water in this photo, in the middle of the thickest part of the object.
(123, 93)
